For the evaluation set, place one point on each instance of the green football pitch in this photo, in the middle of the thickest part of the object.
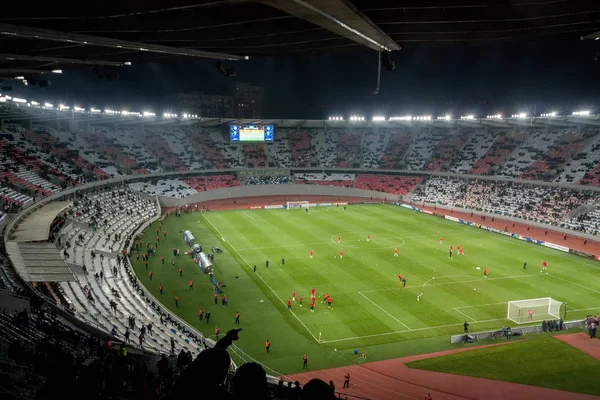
(371, 312)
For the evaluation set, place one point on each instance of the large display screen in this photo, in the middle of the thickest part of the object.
(251, 133)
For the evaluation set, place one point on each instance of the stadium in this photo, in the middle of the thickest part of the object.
(148, 253)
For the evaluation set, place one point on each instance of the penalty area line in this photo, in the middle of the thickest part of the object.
(382, 309)
(262, 279)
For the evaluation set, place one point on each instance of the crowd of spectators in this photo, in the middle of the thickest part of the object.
(543, 204)
(266, 180)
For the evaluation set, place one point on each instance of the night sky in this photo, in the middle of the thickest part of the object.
(509, 78)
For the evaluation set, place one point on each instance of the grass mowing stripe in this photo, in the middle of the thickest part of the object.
(260, 277)
(381, 308)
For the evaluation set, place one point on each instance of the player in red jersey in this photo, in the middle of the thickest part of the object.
(441, 240)
(312, 253)
(312, 306)
(342, 254)
(339, 239)
(368, 238)
(289, 304)
(313, 298)
(544, 265)
(325, 296)
(395, 252)
(530, 317)
(293, 295)
(328, 301)
(313, 291)
(400, 277)
(300, 300)
(485, 272)
(460, 250)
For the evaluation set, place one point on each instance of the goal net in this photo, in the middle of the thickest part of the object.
(533, 310)
(297, 204)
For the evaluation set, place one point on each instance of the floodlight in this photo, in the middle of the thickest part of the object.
(20, 77)
(57, 71)
(94, 110)
(18, 100)
(378, 118)
(2, 99)
(127, 63)
(48, 105)
(35, 103)
(148, 114)
(582, 113)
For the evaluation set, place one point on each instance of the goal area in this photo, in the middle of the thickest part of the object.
(533, 310)
(297, 204)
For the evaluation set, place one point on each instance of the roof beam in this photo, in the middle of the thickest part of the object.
(592, 36)
(340, 17)
(9, 30)
(60, 60)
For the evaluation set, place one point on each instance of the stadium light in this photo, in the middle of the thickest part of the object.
(2, 99)
(48, 105)
(63, 107)
(94, 110)
(378, 118)
(35, 103)
(57, 71)
(127, 63)
(520, 115)
(356, 118)
(18, 100)
(494, 116)
(78, 109)
(446, 117)
(337, 118)
(468, 117)
(552, 114)
(21, 78)
(405, 118)
(148, 114)
(582, 113)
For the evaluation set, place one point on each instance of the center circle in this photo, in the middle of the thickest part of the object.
(358, 240)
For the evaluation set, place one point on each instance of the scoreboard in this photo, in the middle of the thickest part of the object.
(251, 133)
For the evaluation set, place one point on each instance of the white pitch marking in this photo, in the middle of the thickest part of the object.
(460, 312)
(266, 284)
(381, 308)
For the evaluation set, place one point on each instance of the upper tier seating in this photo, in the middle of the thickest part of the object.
(267, 180)
(300, 147)
(398, 144)
(477, 146)
(348, 152)
(279, 151)
(422, 150)
(255, 154)
(326, 145)
(210, 182)
(568, 144)
(504, 145)
(447, 150)
(583, 166)
(373, 147)
(334, 179)
(387, 183)
(534, 148)
(164, 187)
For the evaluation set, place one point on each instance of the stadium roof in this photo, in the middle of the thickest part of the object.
(46, 36)
(36, 227)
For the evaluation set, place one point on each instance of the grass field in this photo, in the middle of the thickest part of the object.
(371, 311)
(546, 362)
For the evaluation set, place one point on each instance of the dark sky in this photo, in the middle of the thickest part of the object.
(508, 78)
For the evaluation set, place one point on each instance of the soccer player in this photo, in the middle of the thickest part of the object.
(368, 238)
(342, 254)
(450, 253)
(312, 306)
(150, 275)
(339, 239)
(200, 314)
(461, 252)
(180, 272)
(289, 304)
(530, 314)
(267, 263)
(328, 301)
(400, 277)
(176, 301)
(191, 285)
(544, 265)
(312, 253)
(485, 272)
(160, 288)
(313, 291)
(403, 282)
(300, 300)
(237, 318)
(283, 261)
(268, 346)
(293, 295)
(524, 265)
(395, 252)
(305, 362)
(441, 240)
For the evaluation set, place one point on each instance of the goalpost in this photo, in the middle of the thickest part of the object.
(297, 204)
(533, 310)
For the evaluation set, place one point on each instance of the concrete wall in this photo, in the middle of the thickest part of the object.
(275, 190)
